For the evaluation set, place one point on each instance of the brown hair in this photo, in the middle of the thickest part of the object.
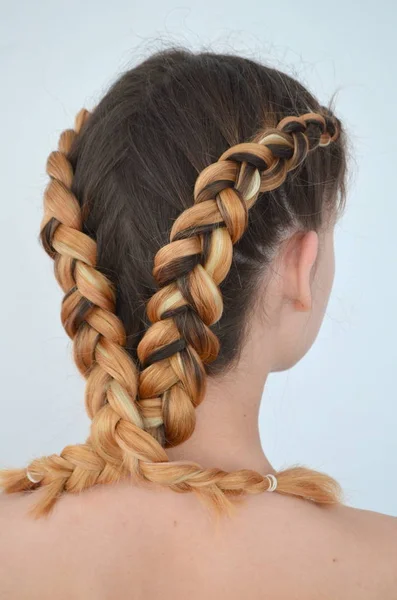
(198, 162)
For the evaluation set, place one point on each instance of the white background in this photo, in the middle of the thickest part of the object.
(336, 410)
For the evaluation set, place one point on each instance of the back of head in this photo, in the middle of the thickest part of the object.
(198, 164)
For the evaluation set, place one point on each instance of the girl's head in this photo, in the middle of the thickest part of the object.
(201, 192)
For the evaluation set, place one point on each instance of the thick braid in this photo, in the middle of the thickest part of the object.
(88, 307)
(99, 339)
(190, 268)
(178, 343)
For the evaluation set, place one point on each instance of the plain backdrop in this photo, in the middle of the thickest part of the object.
(336, 410)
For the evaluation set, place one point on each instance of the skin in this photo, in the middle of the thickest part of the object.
(133, 542)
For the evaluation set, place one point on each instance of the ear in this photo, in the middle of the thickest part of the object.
(300, 258)
(305, 260)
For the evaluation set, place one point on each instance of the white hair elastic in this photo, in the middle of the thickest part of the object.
(32, 479)
(272, 483)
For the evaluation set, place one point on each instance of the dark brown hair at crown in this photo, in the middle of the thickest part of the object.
(119, 185)
(135, 167)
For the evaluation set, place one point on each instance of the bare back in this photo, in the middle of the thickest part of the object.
(134, 543)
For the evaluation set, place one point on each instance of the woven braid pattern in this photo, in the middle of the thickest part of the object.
(190, 268)
(136, 413)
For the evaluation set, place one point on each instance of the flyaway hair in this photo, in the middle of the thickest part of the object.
(148, 218)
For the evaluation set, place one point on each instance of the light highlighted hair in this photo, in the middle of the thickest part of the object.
(142, 401)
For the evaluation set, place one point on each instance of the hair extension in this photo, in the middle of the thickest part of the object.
(142, 388)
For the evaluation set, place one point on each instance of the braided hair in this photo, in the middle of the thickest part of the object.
(142, 387)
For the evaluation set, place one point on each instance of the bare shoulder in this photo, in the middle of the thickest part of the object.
(328, 552)
(37, 555)
(25, 548)
(110, 537)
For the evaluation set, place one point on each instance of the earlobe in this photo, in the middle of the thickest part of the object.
(306, 257)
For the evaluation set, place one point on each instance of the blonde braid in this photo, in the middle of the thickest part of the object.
(99, 339)
(178, 343)
(190, 268)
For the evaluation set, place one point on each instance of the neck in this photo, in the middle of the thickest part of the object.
(226, 435)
